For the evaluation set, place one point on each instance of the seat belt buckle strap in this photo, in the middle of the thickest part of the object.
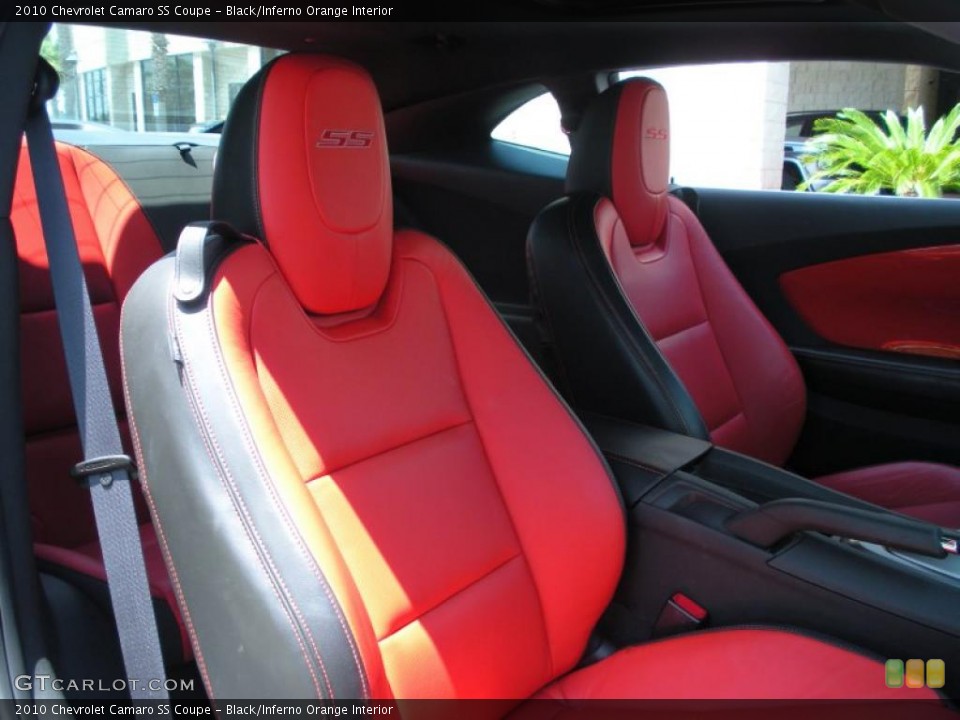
(100, 470)
(680, 614)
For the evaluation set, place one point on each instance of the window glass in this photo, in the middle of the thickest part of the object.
(115, 79)
(535, 124)
(721, 137)
(794, 127)
(775, 125)
(95, 95)
(759, 126)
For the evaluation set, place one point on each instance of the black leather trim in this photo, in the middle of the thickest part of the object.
(923, 387)
(262, 619)
(607, 363)
(642, 456)
(867, 407)
(236, 192)
(97, 592)
(591, 159)
(761, 482)
(201, 247)
(658, 450)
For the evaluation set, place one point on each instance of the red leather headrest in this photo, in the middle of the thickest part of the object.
(303, 166)
(622, 151)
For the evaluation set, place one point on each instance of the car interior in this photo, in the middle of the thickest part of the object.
(344, 398)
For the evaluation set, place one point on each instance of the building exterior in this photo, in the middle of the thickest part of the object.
(145, 81)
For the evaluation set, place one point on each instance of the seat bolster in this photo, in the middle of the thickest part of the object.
(929, 491)
(733, 664)
(769, 385)
(262, 618)
(580, 531)
(128, 241)
(607, 361)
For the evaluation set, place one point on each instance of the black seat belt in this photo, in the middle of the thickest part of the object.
(106, 470)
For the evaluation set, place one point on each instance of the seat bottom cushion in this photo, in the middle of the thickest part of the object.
(928, 491)
(745, 664)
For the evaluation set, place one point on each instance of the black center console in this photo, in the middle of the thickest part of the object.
(757, 545)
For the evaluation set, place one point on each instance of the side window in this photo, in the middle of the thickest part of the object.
(721, 138)
(828, 126)
(535, 124)
(122, 81)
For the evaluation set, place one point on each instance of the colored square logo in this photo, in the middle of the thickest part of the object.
(915, 672)
(894, 673)
(936, 674)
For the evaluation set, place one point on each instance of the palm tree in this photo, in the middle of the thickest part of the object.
(858, 155)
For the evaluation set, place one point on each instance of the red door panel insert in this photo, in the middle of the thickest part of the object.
(905, 301)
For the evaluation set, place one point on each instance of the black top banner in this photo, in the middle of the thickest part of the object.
(105, 11)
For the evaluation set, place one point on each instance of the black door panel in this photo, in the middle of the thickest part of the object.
(762, 235)
(865, 407)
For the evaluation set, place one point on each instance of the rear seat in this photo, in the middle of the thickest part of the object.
(116, 244)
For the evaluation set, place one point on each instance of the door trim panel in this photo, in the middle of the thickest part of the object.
(906, 301)
(764, 234)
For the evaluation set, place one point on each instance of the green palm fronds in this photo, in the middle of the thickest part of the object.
(858, 155)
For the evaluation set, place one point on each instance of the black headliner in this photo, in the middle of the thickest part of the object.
(417, 61)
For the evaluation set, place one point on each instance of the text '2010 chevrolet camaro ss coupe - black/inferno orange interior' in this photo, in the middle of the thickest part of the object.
(481, 361)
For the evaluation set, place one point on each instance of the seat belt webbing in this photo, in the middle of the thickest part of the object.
(105, 469)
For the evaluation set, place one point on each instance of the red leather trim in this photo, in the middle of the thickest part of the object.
(234, 297)
(640, 164)
(324, 182)
(114, 237)
(737, 370)
(116, 244)
(689, 606)
(743, 379)
(36, 293)
(903, 301)
(925, 490)
(61, 513)
(755, 664)
(48, 405)
(421, 425)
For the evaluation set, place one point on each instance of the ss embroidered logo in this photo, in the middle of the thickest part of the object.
(345, 139)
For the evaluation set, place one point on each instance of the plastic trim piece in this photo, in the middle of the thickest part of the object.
(775, 521)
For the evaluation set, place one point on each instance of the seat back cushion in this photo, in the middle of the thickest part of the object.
(116, 244)
(742, 377)
(409, 446)
(424, 477)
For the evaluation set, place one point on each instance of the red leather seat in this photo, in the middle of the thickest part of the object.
(362, 485)
(651, 325)
(116, 244)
